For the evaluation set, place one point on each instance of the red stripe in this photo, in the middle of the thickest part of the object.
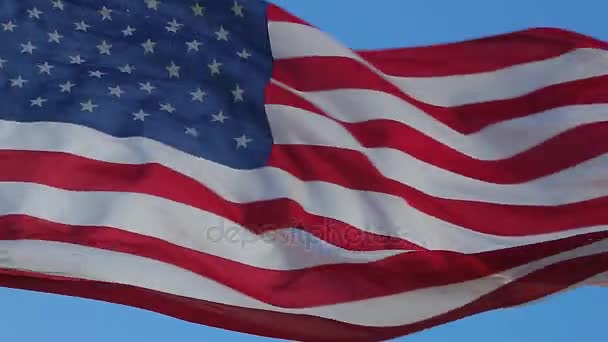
(558, 153)
(329, 164)
(77, 173)
(480, 55)
(315, 286)
(337, 73)
(471, 118)
(276, 95)
(537, 285)
(276, 13)
(344, 73)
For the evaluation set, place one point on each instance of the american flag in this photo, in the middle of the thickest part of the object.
(226, 163)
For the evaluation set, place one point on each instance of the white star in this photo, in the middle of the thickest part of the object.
(37, 102)
(141, 115)
(242, 141)
(167, 107)
(237, 9)
(88, 106)
(237, 93)
(148, 46)
(198, 95)
(198, 10)
(244, 54)
(58, 4)
(152, 4)
(76, 59)
(34, 13)
(2, 62)
(104, 48)
(147, 87)
(28, 48)
(173, 70)
(18, 82)
(222, 34)
(214, 68)
(106, 13)
(126, 69)
(128, 31)
(96, 74)
(45, 68)
(67, 87)
(192, 131)
(193, 45)
(116, 91)
(9, 26)
(82, 26)
(219, 117)
(173, 26)
(55, 37)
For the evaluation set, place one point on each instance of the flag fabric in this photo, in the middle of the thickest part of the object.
(226, 163)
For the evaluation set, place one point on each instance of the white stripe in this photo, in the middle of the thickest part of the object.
(182, 225)
(495, 142)
(295, 126)
(595, 280)
(369, 211)
(599, 280)
(399, 309)
(291, 40)
(450, 91)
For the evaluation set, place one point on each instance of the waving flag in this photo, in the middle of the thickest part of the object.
(226, 163)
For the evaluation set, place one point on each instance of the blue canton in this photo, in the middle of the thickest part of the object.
(189, 74)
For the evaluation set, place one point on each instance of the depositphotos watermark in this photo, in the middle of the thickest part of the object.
(301, 236)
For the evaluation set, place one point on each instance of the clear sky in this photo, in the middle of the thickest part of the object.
(578, 315)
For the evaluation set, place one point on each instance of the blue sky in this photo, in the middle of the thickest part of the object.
(578, 315)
